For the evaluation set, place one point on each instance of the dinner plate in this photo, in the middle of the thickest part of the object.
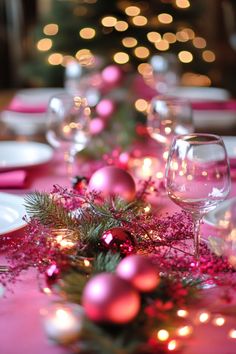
(223, 215)
(17, 154)
(194, 93)
(12, 211)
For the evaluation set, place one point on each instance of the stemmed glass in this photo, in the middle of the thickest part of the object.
(68, 119)
(197, 176)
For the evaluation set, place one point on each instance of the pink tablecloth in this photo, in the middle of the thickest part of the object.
(21, 330)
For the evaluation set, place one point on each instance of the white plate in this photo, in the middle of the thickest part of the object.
(12, 211)
(38, 95)
(16, 154)
(200, 93)
(25, 123)
(230, 144)
(223, 215)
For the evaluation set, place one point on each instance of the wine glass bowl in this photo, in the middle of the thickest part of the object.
(197, 176)
(68, 119)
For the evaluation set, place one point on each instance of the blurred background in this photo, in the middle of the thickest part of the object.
(39, 37)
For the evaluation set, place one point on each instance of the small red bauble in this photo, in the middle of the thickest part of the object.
(111, 180)
(117, 240)
(79, 183)
(140, 271)
(109, 299)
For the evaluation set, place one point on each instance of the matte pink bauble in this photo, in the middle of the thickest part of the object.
(111, 180)
(140, 271)
(108, 298)
(111, 74)
(119, 240)
(96, 126)
(105, 108)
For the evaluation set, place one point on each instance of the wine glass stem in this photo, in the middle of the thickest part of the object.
(197, 237)
(69, 158)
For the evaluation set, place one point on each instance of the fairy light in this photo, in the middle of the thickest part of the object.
(182, 36)
(219, 321)
(144, 68)
(121, 58)
(182, 313)
(121, 26)
(129, 42)
(192, 79)
(182, 4)
(109, 21)
(87, 33)
(51, 29)
(232, 333)
(141, 52)
(153, 37)
(199, 42)
(190, 32)
(208, 56)
(169, 37)
(141, 105)
(172, 345)
(47, 291)
(159, 175)
(87, 263)
(83, 53)
(162, 45)
(184, 331)
(55, 59)
(163, 335)
(132, 10)
(185, 56)
(44, 44)
(140, 20)
(147, 209)
(165, 18)
(204, 317)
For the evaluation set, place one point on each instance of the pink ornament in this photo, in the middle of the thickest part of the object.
(105, 108)
(111, 74)
(96, 126)
(119, 240)
(140, 271)
(111, 180)
(108, 298)
(52, 274)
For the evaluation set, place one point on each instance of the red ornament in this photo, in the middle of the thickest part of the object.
(140, 271)
(117, 240)
(111, 180)
(79, 183)
(52, 274)
(108, 298)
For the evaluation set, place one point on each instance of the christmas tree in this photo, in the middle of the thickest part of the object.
(124, 32)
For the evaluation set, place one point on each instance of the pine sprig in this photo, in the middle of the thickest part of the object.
(49, 212)
(106, 262)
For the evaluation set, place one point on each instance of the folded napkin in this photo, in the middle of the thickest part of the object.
(18, 105)
(13, 179)
(229, 105)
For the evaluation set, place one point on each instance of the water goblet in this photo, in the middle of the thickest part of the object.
(197, 176)
(68, 119)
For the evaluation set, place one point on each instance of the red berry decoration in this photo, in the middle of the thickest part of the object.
(116, 240)
(140, 271)
(109, 299)
(79, 183)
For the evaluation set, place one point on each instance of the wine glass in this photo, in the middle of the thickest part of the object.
(197, 176)
(68, 119)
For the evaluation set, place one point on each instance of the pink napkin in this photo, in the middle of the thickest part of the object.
(17, 105)
(229, 105)
(13, 179)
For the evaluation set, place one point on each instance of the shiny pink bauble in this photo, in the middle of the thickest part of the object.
(140, 271)
(96, 126)
(109, 299)
(116, 240)
(111, 180)
(112, 74)
(105, 108)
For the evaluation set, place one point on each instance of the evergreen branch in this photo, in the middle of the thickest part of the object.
(106, 262)
(50, 213)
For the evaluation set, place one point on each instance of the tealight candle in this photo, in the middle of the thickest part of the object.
(62, 323)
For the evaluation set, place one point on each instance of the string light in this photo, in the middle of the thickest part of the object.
(51, 29)
(83, 53)
(141, 52)
(121, 58)
(232, 333)
(165, 18)
(129, 42)
(121, 26)
(153, 37)
(140, 20)
(109, 21)
(44, 44)
(141, 105)
(182, 36)
(219, 321)
(55, 59)
(204, 317)
(87, 33)
(132, 10)
(184, 331)
(199, 42)
(182, 313)
(183, 4)
(208, 56)
(172, 345)
(185, 56)
(144, 68)
(169, 37)
(162, 45)
(163, 335)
